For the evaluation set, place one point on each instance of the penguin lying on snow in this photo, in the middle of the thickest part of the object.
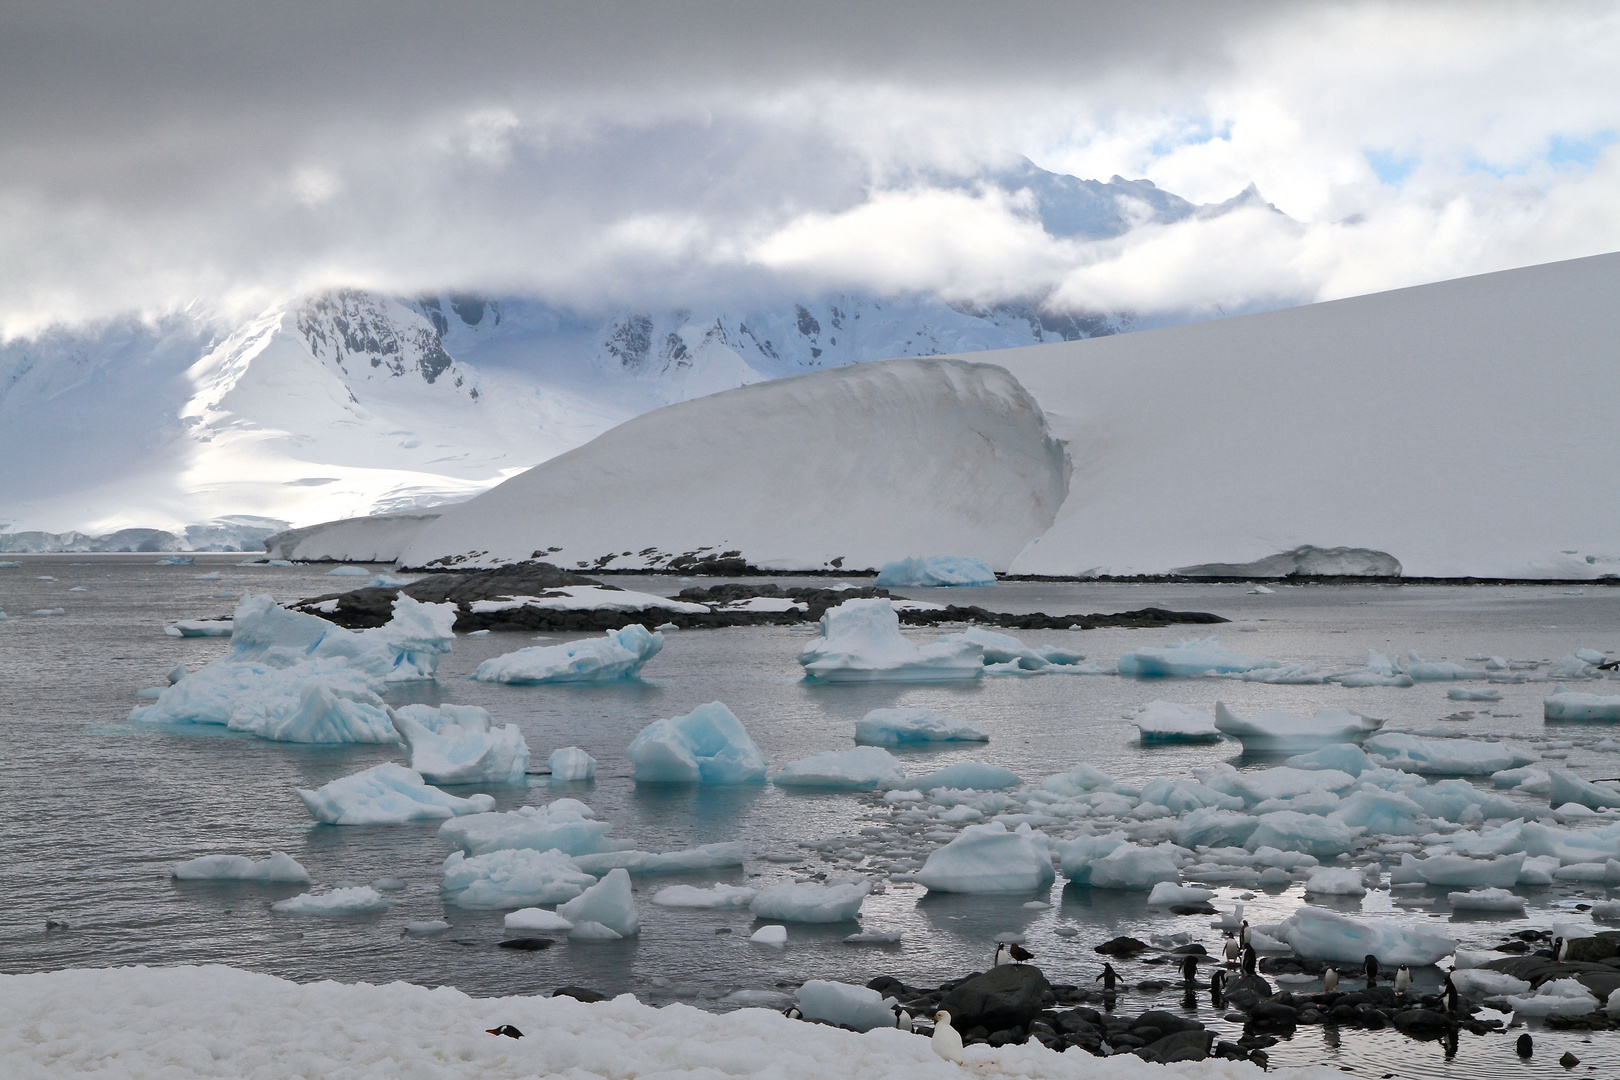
(505, 1029)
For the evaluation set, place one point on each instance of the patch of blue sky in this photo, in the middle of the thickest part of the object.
(1195, 133)
(1581, 151)
(1388, 167)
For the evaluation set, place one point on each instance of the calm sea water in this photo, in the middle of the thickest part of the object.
(97, 810)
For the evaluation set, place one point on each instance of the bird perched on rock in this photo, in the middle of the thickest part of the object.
(947, 1042)
(1250, 960)
(1189, 968)
(1403, 979)
(1449, 989)
(1010, 952)
(1330, 980)
(1560, 949)
(1217, 987)
(505, 1029)
(1108, 978)
(1243, 934)
(1233, 949)
(1369, 966)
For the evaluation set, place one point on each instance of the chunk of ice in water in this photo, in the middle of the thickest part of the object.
(705, 857)
(565, 824)
(536, 919)
(860, 769)
(1188, 658)
(463, 747)
(512, 878)
(841, 1004)
(1336, 881)
(386, 794)
(1569, 707)
(715, 896)
(1477, 982)
(811, 903)
(895, 727)
(571, 764)
(1276, 731)
(619, 654)
(279, 867)
(1129, 866)
(935, 571)
(1325, 935)
(1486, 900)
(770, 934)
(608, 902)
(1166, 893)
(360, 900)
(1169, 722)
(708, 745)
(1556, 997)
(860, 641)
(990, 859)
(1446, 757)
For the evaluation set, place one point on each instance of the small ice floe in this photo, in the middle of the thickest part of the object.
(1277, 731)
(704, 857)
(1166, 893)
(1336, 881)
(1581, 665)
(1569, 707)
(774, 934)
(176, 560)
(1446, 757)
(902, 727)
(877, 937)
(512, 878)
(1168, 722)
(759, 999)
(861, 769)
(1186, 659)
(606, 903)
(570, 764)
(1261, 590)
(1464, 693)
(934, 571)
(8, 565)
(990, 859)
(359, 900)
(80, 588)
(49, 611)
(387, 794)
(1477, 982)
(277, 869)
(715, 896)
(1556, 997)
(565, 824)
(1005, 654)
(536, 919)
(842, 1005)
(1124, 866)
(1565, 787)
(198, 628)
(348, 571)
(708, 745)
(1459, 870)
(619, 654)
(808, 902)
(860, 641)
(1325, 935)
(460, 744)
(424, 928)
(1486, 900)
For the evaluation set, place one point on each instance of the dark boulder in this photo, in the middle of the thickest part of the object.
(578, 993)
(1003, 997)
(1121, 946)
(1180, 1046)
(1421, 1022)
(1167, 1022)
(1243, 993)
(1272, 1015)
(1593, 950)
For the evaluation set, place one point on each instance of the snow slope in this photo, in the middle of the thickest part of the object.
(1459, 429)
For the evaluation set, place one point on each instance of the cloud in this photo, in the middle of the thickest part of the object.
(611, 154)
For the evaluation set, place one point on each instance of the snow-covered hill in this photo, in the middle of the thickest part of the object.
(1460, 429)
(345, 403)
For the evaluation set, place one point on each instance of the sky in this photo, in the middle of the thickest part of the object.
(161, 156)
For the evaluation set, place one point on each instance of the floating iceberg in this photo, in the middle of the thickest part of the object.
(860, 642)
(361, 900)
(1571, 845)
(1325, 935)
(1465, 693)
(1445, 757)
(897, 727)
(1569, 707)
(1565, 787)
(1166, 893)
(1127, 866)
(967, 775)
(199, 628)
(860, 769)
(989, 859)
(570, 764)
(705, 857)
(935, 570)
(608, 903)
(1289, 830)
(1078, 855)
(408, 648)
(386, 794)
(514, 878)
(567, 825)
(1421, 670)
(843, 1005)
(1081, 780)
(1281, 732)
(1168, 722)
(1336, 881)
(1579, 666)
(279, 868)
(617, 655)
(773, 934)
(716, 896)
(706, 746)
(536, 919)
(1347, 758)
(1486, 900)
(1185, 659)
(462, 745)
(810, 903)
(1556, 997)
(1380, 813)
(323, 701)
(1000, 649)
(1459, 870)
(1478, 982)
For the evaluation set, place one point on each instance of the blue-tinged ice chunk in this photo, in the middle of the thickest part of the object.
(897, 727)
(989, 859)
(1325, 935)
(1188, 658)
(1290, 830)
(715, 896)
(1380, 813)
(570, 764)
(567, 825)
(1347, 758)
(974, 775)
(1572, 845)
(1446, 757)
(1458, 800)
(619, 654)
(1486, 900)
(277, 869)
(360, 900)
(608, 902)
(320, 701)
(1568, 707)
(461, 745)
(860, 641)
(1336, 881)
(1169, 722)
(387, 794)
(1185, 796)
(1130, 866)
(535, 920)
(811, 903)
(407, 648)
(1081, 780)
(348, 571)
(935, 570)
(1081, 853)
(1566, 787)
(1006, 649)
(843, 1005)
(1281, 732)
(1458, 870)
(860, 769)
(1556, 997)
(704, 857)
(706, 746)
(1576, 667)
(514, 878)
(1214, 828)
(1421, 670)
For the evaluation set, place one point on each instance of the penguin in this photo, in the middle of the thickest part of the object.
(1232, 949)
(1250, 959)
(1330, 980)
(1560, 949)
(1189, 969)
(792, 1012)
(1449, 989)
(1243, 934)
(947, 1042)
(1108, 978)
(1370, 966)
(902, 1018)
(505, 1029)
(1002, 957)
(1613, 1007)
(1525, 1046)
(1403, 979)
(1217, 987)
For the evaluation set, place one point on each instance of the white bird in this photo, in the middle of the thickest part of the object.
(947, 1042)
(1330, 980)
(1613, 1008)
(1403, 979)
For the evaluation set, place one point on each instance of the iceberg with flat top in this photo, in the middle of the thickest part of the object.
(387, 794)
(1336, 881)
(1565, 787)
(278, 869)
(1169, 722)
(1283, 732)
(1326, 935)
(990, 859)
(1124, 865)
(566, 825)
(459, 744)
(1478, 982)
(618, 654)
(608, 903)
(358, 900)
(967, 775)
(708, 745)
(897, 727)
(715, 896)
(703, 857)
(1166, 893)
(1001, 650)
(935, 570)
(1186, 659)
(1486, 900)
(843, 1005)
(1421, 670)
(808, 902)
(536, 919)
(1569, 707)
(1556, 997)
(860, 641)
(860, 769)
(512, 878)
(1445, 757)
(571, 764)
(1459, 871)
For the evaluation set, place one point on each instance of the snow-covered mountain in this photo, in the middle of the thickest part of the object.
(346, 403)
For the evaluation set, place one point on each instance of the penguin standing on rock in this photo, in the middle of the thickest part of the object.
(1108, 978)
(1330, 980)
(1370, 967)
(1011, 953)
(1217, 987)
(1250, 960)
(1189, 969)
(1233, 949)
(1403, 979)
(1560, 949)
(1449, 989)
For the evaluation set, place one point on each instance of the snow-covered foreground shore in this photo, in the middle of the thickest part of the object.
(224, 1022)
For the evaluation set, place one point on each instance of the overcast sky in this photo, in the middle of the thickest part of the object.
(154, 155)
